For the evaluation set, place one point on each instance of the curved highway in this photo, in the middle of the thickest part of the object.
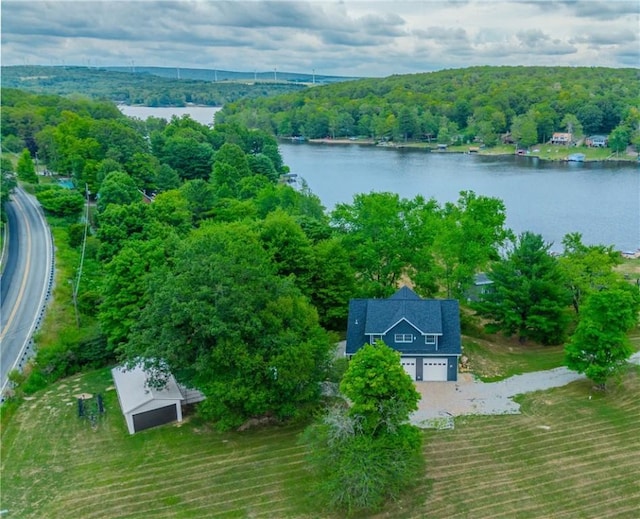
(25, 283)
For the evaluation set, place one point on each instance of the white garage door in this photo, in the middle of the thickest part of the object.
(435, 370)
(409, 366)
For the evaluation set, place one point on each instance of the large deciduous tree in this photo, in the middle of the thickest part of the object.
(600, 348)
(26, 169)
(373, 230)
(124, 284)
(469, 236)
(221, 320)
(117, 188)
(7, 182)
(59, 201)
(524, 130)
(587, 267)
(367, 452)
(529, 295)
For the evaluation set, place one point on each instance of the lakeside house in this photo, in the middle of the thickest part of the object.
(597, 141)
(563, 139)
(426, 332)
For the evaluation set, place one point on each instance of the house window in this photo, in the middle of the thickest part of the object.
(375, 338)
(429, 339)
(403, 337)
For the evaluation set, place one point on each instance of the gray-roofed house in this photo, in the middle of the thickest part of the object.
(597, 141)
(144, 407)
(426, 332)
(481, 286)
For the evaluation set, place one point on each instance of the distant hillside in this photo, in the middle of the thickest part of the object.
(228, 75)
(476, 104)
(155, 86)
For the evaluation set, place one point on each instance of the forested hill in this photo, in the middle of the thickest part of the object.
(145, 86)
(474, 103)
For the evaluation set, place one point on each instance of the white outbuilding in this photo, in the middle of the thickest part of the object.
(143, 406)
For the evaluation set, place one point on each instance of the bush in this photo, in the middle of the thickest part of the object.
(76, 234)
(59, 201)
(356, 472)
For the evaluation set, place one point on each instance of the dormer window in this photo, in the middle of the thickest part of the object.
(430, 339)
(403, 337)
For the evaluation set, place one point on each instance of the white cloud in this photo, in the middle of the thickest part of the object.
(349, 37)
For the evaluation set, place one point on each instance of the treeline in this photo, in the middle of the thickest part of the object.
(475, 104)
(139, 88)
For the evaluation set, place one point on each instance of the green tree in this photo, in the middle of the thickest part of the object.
(120, 223)
(123, 291)
(167, 178)
(332, 283)
(587, 268)
(7, 180)
(373, 230)
(619, 138)
(143, 169)
(59, 201)
(571, 124)
(186, 151)
(469, 236)
(600, 348)
(380, 392)
(200, 199)
(117, 188)
(230, 167)
(529, 295)
(366, 452)
(289, 248)
(171, 208)
(222, 321)
(26, 169)
(525, 130)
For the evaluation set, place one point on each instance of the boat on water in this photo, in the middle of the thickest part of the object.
(576, 157)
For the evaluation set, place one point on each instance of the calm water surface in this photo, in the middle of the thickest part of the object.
(202, 114)
(599, 200)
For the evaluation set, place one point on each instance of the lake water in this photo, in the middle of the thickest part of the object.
(599, 200)
(202, 114)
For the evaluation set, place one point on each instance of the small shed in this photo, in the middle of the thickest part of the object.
(144, 407)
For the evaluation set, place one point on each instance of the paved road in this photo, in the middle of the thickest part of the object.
(26, 280)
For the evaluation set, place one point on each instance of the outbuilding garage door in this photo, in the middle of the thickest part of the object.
(435, 370)
(154, 417)
(409, 366)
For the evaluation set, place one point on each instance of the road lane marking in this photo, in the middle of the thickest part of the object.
(25, 275)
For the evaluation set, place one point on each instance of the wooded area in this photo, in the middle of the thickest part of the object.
(477, 104)
(144, 86)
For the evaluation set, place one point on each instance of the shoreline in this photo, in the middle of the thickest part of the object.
(428, 149)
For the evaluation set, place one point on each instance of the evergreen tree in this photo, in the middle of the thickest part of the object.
(529, 295)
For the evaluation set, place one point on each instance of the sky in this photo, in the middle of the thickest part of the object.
(345, 38)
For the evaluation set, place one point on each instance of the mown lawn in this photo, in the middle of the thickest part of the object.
(572, 453)
(496, 357)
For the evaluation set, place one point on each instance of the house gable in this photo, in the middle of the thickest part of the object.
(426, 332)
(405, 313)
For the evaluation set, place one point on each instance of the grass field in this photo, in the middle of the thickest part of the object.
(572, 453)
(501, 357)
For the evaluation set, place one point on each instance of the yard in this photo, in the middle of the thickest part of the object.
(572, 453)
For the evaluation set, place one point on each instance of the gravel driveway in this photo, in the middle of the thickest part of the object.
(470, 396)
